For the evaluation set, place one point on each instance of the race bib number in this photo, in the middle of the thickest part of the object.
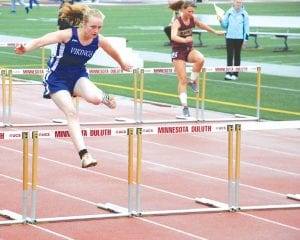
(174, 55)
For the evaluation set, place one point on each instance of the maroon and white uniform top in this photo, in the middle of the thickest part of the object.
(184, 31)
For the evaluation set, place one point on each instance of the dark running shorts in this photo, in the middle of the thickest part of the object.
(181, 54)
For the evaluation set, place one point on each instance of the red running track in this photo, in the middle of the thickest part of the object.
(176, 169)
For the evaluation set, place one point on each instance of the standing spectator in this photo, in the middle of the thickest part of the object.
(67, 75)
(236, 23)
(21, 2)
(183, 50)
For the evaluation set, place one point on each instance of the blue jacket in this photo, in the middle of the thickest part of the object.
(236, 24)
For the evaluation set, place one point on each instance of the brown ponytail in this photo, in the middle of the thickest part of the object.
(73, 13)
(175, 5)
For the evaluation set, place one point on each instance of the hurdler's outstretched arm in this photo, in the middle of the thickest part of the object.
(207, 28)
(47, 39)
(106, 46)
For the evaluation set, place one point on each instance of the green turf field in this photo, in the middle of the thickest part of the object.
(141, 26)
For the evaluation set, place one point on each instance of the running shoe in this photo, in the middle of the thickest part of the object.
(88, 161)
(193, 85)
(229, 77)
(186, 112)
(109, 101)
(234, 78)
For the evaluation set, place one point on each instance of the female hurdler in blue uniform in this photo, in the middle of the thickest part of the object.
(67, 76)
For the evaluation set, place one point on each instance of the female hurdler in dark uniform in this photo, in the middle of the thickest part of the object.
(183, 51)
(67, 76)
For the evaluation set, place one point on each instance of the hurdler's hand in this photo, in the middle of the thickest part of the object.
(219, 18)
(126, 67)
(20, 49)
(188, 39)
(220, 32)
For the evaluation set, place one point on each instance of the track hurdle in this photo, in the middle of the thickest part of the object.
(120, 209)
(6, 98)
(253, 126)
(262, 126)
(7, 92)
(201, 96)
(16, 218)
(146, 71)
(221, 69)
(234, 166)
(178, 129)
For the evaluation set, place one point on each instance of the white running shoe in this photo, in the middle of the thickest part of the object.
(88, 161)
(234, 78)
(228, 77)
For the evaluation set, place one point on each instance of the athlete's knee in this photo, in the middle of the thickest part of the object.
(71, 114)
(200, 60)
(199, 63)
(182, 79)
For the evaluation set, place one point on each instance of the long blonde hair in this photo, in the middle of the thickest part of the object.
(78, 13)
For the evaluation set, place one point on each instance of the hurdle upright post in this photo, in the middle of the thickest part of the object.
(197, 98)
(9, 113)
(142, 78)
(203, 91)
(258, 93)
(25, 175)
(34, 174)
(237, 164)
(3, 76)
(135, 94)
(130, 168)
(230, 164)
(138, 169)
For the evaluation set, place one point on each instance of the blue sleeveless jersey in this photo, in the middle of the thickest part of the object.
(68, 64)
